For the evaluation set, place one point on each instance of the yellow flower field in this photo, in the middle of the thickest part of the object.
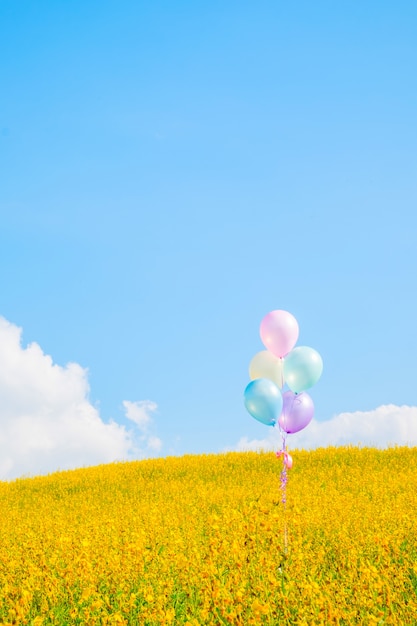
(201, 540)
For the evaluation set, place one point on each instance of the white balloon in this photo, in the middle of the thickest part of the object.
(265, 365)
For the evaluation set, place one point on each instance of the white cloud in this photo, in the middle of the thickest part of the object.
(140, 414)
(46, 420)
(154, 443)
(383, 427)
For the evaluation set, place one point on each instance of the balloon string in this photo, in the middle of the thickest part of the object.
(284, 479)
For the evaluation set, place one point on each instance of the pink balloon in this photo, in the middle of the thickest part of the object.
(279, 332)
(297, 411)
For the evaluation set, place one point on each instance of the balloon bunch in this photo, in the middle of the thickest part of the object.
(282, 364)
(270, 370)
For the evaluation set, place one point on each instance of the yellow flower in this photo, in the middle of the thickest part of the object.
(205, 539)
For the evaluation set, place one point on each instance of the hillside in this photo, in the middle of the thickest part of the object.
(200, 540)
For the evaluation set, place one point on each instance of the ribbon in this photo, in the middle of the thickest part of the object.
(287, 464)
(287, 458)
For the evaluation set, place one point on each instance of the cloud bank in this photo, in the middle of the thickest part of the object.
(47, 422)
(385, 426)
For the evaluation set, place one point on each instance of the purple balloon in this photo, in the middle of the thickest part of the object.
(297, 411)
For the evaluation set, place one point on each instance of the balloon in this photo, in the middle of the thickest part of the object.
(297, 411)
(302, 368)
(265, 365)
(263, 400)
(279, 332)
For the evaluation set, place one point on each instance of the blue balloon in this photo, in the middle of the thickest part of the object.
(263, 400)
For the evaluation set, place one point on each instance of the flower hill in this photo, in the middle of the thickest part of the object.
(200, 540)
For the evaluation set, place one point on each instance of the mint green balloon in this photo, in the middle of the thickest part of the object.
(302, 368)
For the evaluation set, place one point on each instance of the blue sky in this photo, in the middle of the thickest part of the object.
(170, 173)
